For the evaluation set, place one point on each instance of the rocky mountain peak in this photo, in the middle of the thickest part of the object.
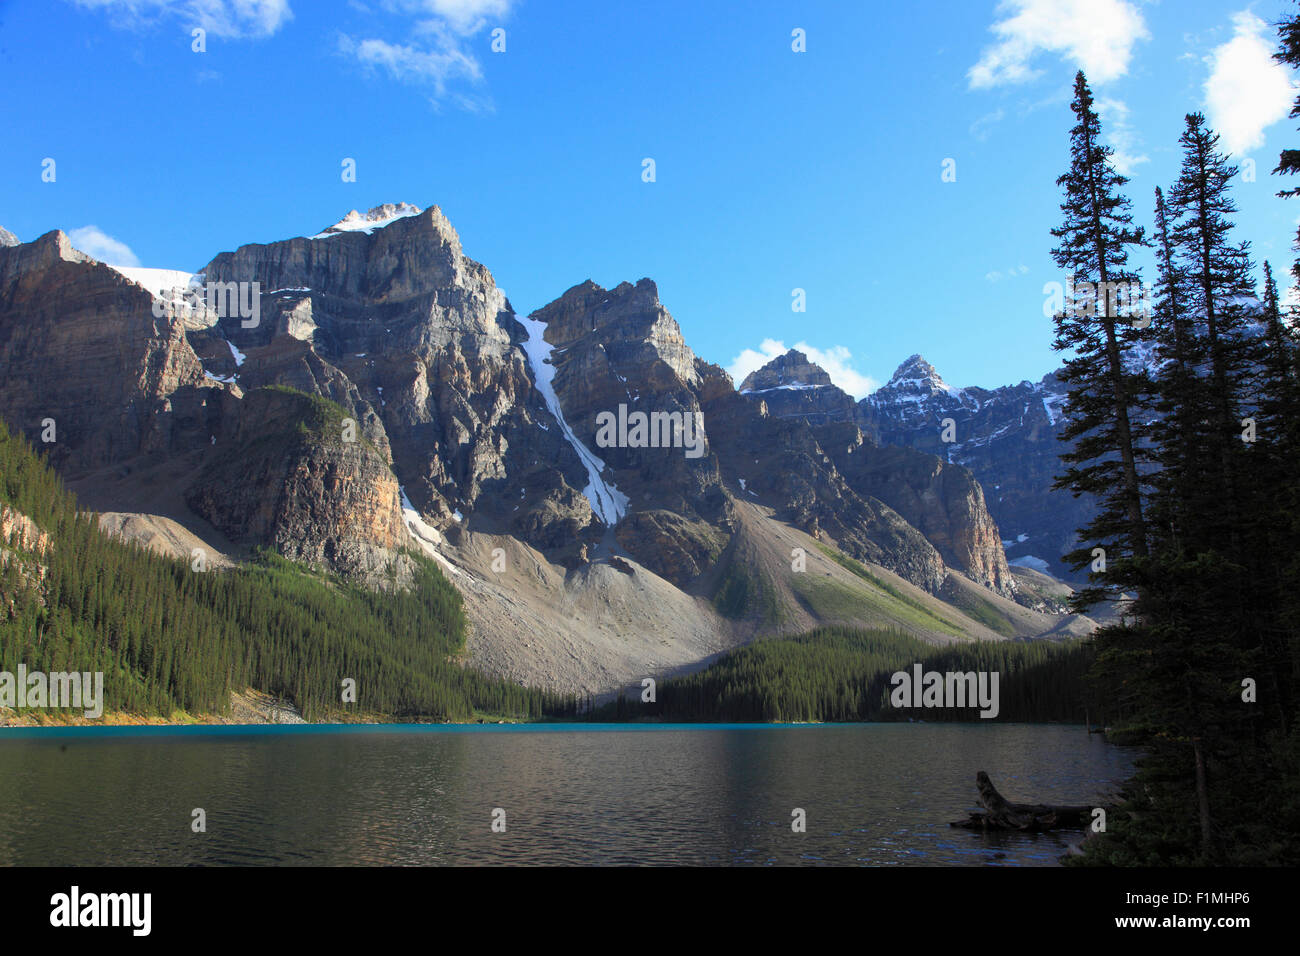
(40, 254)
(791, 370)
(626, 311)
(376, 218)
(395, 253)
(915, 369)
(916, 380)
(7, 238)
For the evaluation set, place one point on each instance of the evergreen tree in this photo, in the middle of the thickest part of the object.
(1289, 161)
(1209, 617)
(1175, 401)
(1105, 453)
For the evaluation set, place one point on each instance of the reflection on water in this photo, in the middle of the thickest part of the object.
(873, 794)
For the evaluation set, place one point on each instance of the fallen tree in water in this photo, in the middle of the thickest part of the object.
(1001, 814)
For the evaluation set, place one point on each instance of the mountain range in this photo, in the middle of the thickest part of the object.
(349, 397)
(1007, 437)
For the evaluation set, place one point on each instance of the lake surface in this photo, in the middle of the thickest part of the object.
(877, 794)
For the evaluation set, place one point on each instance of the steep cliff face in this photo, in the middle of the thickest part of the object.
(943, 502)
(578, 472)
(285, 476)
(1009, 439)
(82, 347)
(793, 387)
(385, 315)
(106, 355)
(780, 462)
(619, 352)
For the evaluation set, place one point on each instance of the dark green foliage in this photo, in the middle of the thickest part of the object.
(1202, 669)
(167, 637)
(1289, 162)
(1104, 427)
(843, 674)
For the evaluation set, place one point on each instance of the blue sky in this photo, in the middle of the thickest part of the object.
(774, 169)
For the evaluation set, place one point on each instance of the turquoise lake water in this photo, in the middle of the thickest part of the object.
(872, 794)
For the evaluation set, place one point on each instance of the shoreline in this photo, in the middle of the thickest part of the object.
(160, 728)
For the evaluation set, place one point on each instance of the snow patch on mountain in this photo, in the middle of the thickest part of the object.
(607, 501)
(424, 534)
(1031, 562)
(777, 388)
(161, 282)
(376, 218)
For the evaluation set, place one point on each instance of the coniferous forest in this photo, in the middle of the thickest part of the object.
(1183, 426)
(168, 638)
(842, 674)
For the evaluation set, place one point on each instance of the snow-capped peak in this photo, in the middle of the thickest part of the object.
(916, 376)
(376, 218)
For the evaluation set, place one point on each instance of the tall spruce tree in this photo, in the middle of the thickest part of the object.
(1273, 521)
(1289, 162)
(1104, 391)
(1176, 399)
(1202, 610)
(1220, 283)
(1209, 610)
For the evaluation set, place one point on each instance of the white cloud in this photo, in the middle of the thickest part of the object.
(998, 276)
(254, 19)
(1120, 135)
(981, 128)
(1095, 35)
(411, 64)
(1247, 90)
(438, 51)
(93, 241)
(464, 16)
(835, 360)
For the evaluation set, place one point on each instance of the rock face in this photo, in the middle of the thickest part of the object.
(7, 238)
(1009, 439)
(368, 390)
(107, 371)
(385, 315)
(82, 348)
(284, 476)
(619, 352)
(943, 501)
(793, 387)
(791, 370)
(20, 530)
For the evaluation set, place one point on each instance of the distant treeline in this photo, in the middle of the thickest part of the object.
(168, 637)
(843, 674)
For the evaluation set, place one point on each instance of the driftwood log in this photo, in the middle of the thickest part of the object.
(1001, 814)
